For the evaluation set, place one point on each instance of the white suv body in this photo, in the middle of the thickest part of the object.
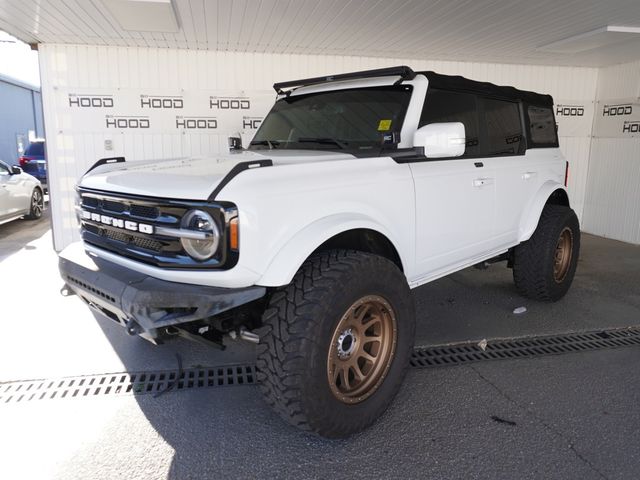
(441, 216)
(465, 179)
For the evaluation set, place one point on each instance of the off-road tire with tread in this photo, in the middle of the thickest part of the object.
(298, 325)
(533, 266)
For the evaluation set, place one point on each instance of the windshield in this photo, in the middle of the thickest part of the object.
(354, 119)
(35, 149)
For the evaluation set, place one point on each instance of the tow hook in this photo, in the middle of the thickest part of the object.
(244, 334)
(132, 327)
(65, 291)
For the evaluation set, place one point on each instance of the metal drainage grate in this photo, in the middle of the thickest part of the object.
(158, 382)
(140, 383)
(456, 354)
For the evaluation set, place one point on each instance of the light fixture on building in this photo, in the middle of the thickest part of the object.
(144, 15)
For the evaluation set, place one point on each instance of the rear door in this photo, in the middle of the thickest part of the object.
(516, 175)
(455, 198)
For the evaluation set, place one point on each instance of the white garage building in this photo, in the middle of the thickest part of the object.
(151, 79)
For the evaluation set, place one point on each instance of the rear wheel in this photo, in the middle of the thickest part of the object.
(36, 206)
(336, 342)
(544, 265)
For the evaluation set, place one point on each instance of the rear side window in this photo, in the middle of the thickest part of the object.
(35, 149)
(542, 126)
(504, 129)
(443, 106)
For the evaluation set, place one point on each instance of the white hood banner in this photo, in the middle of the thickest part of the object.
(140, 111)
(574, 117)
(617, 118)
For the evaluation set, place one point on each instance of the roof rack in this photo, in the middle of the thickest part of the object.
(405, 73)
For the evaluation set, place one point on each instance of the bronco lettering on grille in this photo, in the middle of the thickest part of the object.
(118, 222)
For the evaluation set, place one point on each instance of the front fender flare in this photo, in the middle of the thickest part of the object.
(530, 218)
(297, 249)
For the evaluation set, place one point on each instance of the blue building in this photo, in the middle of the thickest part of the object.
(20, 113)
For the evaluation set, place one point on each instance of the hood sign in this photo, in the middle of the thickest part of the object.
(197, 123)
(90, 101)
(118, 222)
(617, 110)
(631, 127)
(164, 102)
(127, 122)
(569, 110)
(229, 103)
(128, 110)
(251, 123)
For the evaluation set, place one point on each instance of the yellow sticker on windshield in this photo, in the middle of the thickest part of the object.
(384, 125)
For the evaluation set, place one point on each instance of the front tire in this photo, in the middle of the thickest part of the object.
(544, 265)
(37, 205)
(336, 342)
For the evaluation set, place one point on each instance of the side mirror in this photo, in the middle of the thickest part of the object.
(15, 170)
(441, 140)
(235, 143)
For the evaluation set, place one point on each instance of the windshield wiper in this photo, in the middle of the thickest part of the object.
(270, 143)
(323, 140)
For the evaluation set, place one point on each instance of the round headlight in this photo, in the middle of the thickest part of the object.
(203, 226)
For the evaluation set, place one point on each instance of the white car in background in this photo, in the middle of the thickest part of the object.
(21, 195)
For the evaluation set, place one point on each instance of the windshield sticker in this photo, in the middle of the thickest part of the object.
(384, 125)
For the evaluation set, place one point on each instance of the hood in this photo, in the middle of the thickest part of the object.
(189, 178)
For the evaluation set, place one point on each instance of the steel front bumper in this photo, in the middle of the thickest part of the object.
(144, 304)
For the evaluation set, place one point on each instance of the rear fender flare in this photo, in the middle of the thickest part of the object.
(529, 220)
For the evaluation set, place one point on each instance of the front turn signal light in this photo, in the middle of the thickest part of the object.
(234, 241)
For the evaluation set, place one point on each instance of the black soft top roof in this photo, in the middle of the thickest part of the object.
(436, 80)
(458, 83)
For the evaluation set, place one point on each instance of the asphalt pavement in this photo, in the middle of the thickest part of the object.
(566, 416)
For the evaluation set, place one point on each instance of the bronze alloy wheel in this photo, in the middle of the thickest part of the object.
(563, 254)
(362, 349)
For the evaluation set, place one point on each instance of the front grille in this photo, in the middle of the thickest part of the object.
(115, 207)
(145, 211)
(147, 243)
(114, 223)
(89, 202)
(141, 242)
(117, 235)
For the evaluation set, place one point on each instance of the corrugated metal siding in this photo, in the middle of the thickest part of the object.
(18, 116)
(480, 30)
(619, 81)
(613, 189)
(71, 153)
(612, 199)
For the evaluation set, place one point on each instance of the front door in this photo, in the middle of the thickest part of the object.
(455, 202)
(455, 197)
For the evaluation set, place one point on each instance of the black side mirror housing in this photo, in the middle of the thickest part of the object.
(15, 170)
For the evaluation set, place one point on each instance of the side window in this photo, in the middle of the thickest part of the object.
(444, 106)
(4, 170)
(542, 125)
(504, 129)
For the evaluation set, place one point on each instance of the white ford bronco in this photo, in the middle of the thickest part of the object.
(356, 188)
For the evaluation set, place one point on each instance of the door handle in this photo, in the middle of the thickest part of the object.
(528, 175)
(481, 182)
